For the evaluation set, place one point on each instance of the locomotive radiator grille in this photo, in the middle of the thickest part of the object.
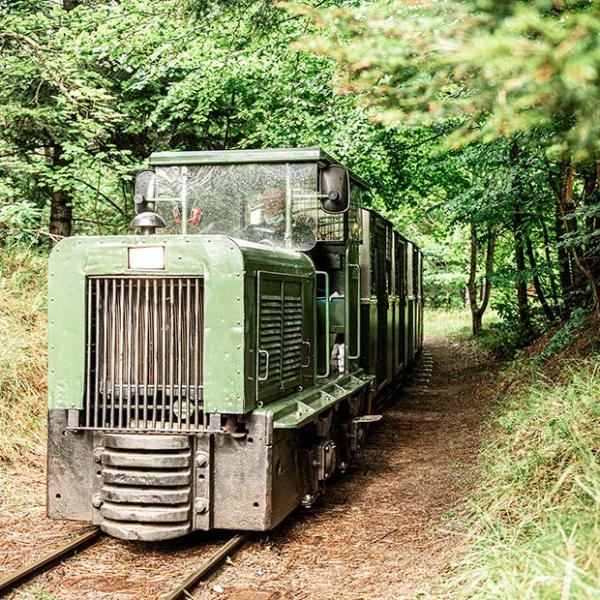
(144, 353)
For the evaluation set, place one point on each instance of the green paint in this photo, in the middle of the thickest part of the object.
(296, 410)
(228, 267)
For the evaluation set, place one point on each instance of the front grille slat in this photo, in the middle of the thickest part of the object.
(179, 348)
(155, 317)
(105, 353)
(121, 351)
(197, 349)
(171, 347)
(88, 386)
(129, 343)
(144, 353)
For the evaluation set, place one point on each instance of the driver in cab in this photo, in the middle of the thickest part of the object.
(271, 230)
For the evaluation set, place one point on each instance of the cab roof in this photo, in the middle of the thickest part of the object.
(229, 157)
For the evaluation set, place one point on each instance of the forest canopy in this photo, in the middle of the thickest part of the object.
(476, 124)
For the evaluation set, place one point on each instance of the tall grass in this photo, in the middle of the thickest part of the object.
(454, 324)
(22, 358)
(535, 522)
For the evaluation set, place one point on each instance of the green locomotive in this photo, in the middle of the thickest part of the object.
(217, 368)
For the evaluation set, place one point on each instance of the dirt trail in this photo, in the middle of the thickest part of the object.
(379, 533)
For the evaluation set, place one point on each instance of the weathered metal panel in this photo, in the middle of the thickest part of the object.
(216, 258)
(243, 478)
(286, 479)
(71, 469)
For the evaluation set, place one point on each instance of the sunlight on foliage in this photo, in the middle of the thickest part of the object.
(498, 67)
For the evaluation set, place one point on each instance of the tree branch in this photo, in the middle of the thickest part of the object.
(38, 50)
(101, 194)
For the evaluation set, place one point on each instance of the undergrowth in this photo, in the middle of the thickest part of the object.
(22, 358)
(534, 524)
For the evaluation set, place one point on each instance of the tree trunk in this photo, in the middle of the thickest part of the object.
(564, 266)
(61, 210)
(472, 284)
(477, 312)
(537, 284)
(477, 322)
(550, 266)
(61, 214)
(521, 283)
(566, 207)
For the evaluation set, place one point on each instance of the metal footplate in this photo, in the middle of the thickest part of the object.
(146, 486)
(358, 430)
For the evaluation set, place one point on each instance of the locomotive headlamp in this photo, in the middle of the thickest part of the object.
(146, 258)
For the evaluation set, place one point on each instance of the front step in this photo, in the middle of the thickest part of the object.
(145, 532)
(145, 514)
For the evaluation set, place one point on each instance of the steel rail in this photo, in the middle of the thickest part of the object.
(184, 588)
(15, 578)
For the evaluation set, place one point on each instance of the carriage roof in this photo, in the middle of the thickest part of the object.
(229, 157)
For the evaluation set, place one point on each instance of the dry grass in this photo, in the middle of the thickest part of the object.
(22, 369)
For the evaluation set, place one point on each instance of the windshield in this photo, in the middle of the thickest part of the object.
(273, 204)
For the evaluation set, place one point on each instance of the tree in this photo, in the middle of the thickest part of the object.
(522, 72)
(88, 93)
(478, 310)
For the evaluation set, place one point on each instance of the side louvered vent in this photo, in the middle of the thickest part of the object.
(292, 340)
(280, 336)
(271, 332)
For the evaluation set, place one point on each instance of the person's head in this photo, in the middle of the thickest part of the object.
(273, 203)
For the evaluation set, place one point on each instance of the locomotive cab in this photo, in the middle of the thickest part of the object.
(214, 369)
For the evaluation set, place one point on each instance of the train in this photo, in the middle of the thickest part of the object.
(216, 368)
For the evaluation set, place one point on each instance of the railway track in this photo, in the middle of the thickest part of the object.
(18, 577)
(184, 589)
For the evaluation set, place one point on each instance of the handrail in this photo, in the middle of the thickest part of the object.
(358, 306)
(327, 334)
(267, 356)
